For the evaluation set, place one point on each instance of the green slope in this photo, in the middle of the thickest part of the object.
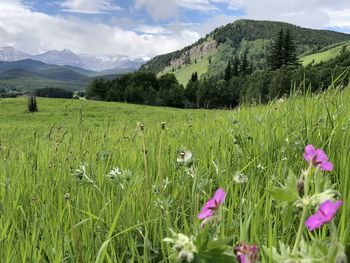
(184, 73)
(325, 55)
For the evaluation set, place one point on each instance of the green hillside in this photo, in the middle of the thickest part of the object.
(184, 73)
(224, 43)
(325, 55)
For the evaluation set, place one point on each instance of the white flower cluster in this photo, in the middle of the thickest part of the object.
(122, 177)
(183, 246)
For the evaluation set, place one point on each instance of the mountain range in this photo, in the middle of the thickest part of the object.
(30, 74)
(65, 69)
(116, 64)
(210, 55)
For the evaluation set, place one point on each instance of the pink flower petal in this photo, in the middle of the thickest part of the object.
(210, 207)
(243, 259)
(314, 222)
(326, 206)
(317, 158)
(309, 152)
(219, 196)
(205, 213)
(320, 156)
(326, 166)
(325, 214)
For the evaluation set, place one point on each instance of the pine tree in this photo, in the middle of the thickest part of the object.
(244, 64)
(275, 57)
(32, 105)
(194, 77)
(343, 50)
(228, 72)
(283, 51)
(289, 51)
(235, 67)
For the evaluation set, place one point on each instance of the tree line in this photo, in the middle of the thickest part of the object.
(54, 93)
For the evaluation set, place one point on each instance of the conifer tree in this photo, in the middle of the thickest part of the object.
(289, 50)
(244, 64)
(235, 67)
(283, 51)
(32, 105)
(194, 77)
(275, 57)
(228, 72)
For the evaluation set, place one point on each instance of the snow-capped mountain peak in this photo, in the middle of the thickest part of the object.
(117, 63)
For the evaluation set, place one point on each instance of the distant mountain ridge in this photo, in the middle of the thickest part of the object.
(211, 54)
(116, 64)
(31, 74)
(9, 54)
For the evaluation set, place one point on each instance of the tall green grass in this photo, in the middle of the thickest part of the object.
(47, 216)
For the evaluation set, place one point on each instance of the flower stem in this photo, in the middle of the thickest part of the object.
(334, 231)
(305, 206)
(300, 230)
(159, 173)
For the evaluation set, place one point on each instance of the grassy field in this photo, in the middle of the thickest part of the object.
(323, 56)
(46, 215)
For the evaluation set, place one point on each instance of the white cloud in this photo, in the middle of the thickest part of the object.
(88, 6)
(339, 18)
(201, 5)
(147, 29)
(212, 23)
(165, 9)
(158, 9)
(35, 32)
(311, 13)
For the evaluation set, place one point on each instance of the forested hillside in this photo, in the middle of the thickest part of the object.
(210, 55)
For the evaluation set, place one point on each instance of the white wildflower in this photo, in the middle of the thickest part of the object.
(183, 246)
(260, 166)
(122, 177)
(240, 178)
(184, 158)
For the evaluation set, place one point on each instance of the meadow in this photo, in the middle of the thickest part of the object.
(324, 55)
(52, 210)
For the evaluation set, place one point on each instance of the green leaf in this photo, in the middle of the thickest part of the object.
(287, 192)
(212, 250)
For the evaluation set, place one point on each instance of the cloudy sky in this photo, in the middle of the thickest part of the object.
(147, 27)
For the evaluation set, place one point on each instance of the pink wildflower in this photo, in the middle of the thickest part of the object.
(325, 214)
(211, 207)
(317, 158)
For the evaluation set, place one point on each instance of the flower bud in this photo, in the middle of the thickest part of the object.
(300, 187)
(163, 125)
(66, 196)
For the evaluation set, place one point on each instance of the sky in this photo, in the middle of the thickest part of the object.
(147, 27)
